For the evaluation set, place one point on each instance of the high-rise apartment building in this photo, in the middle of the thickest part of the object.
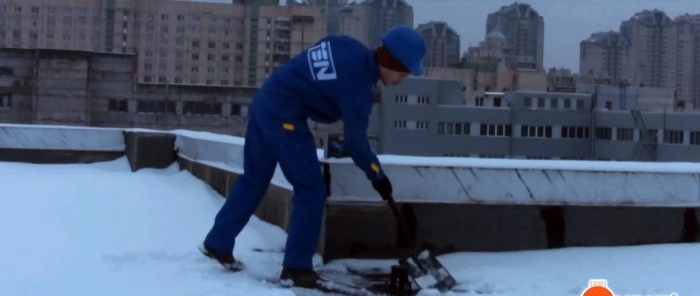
(603, 58)
(523, 28)
(442, 43)
(649, 34)
(176, 42)
(687, 63)
(329, 13)
(368, 21)
(651, 50)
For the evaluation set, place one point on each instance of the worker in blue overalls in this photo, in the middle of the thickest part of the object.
(334, 80)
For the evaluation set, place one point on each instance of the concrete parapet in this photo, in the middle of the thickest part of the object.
(486, 207)
(59, 144)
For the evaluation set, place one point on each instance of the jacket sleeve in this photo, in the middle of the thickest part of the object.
(356, 122)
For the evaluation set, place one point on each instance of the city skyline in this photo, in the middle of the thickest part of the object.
(561, 42)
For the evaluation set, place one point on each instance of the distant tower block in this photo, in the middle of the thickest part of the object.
(597, 287)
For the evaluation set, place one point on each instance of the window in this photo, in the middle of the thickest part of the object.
(454, 128)
(603, 133)
(116, 105)
(153, 106)
(531, 131)
(423, 100)
(236, 110)
(421, 125)
(695, 138)
(625, 134)
(528, 102)
(195, 56)
(479, 101)
(400, 124)
(5, 101)
(540, 103)
(567, 104)
(555, 104)
(495, 130)
(401, 99)
(673, 137)
(201, 108)
(580, 105)
(574, 132)
(211, 44)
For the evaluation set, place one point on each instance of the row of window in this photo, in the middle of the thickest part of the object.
(567, 104)
(411, 99)
(169, 107)
(68, 11)
(411, 124)
(566, 132)
(180, 80)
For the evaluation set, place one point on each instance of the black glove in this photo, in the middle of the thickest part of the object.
(383, 186)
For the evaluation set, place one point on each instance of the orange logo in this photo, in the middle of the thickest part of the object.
(597, 287)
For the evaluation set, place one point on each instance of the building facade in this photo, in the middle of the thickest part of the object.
(687, 63)
(531, 125)
(367, 21)
(442, 43)
(650, 50)
(86, 88)
(175, 42)
(650, 38)
(603, 58)
(523, 29)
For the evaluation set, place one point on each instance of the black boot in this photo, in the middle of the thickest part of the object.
(306, 278)
(226, 260)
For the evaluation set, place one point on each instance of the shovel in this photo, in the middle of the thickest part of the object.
(424, 269)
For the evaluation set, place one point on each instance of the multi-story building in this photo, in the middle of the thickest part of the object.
(523, 29)
(442, 43)
(649, 51)
(87, 88)
(603, 57)
(604, 125)
(687, 63)
(649, 34)
(367, 21)
(176, 42)
(329, 13)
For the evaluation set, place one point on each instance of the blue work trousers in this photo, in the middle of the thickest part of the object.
(269, 141)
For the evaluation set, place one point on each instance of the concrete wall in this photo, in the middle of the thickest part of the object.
(359, 224)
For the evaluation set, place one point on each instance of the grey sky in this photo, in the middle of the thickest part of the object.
(566, 22)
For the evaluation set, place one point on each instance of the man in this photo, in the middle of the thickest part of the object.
(331, 81)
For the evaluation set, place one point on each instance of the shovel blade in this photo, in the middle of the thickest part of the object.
(426, 271)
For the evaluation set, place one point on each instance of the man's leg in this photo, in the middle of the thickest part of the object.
(243, 198)
(296, 153)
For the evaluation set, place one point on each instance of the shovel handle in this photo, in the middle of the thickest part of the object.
(402, 225)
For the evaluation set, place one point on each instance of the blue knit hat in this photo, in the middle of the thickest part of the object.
(407, 46)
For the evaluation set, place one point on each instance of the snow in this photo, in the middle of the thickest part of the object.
(100, 229)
